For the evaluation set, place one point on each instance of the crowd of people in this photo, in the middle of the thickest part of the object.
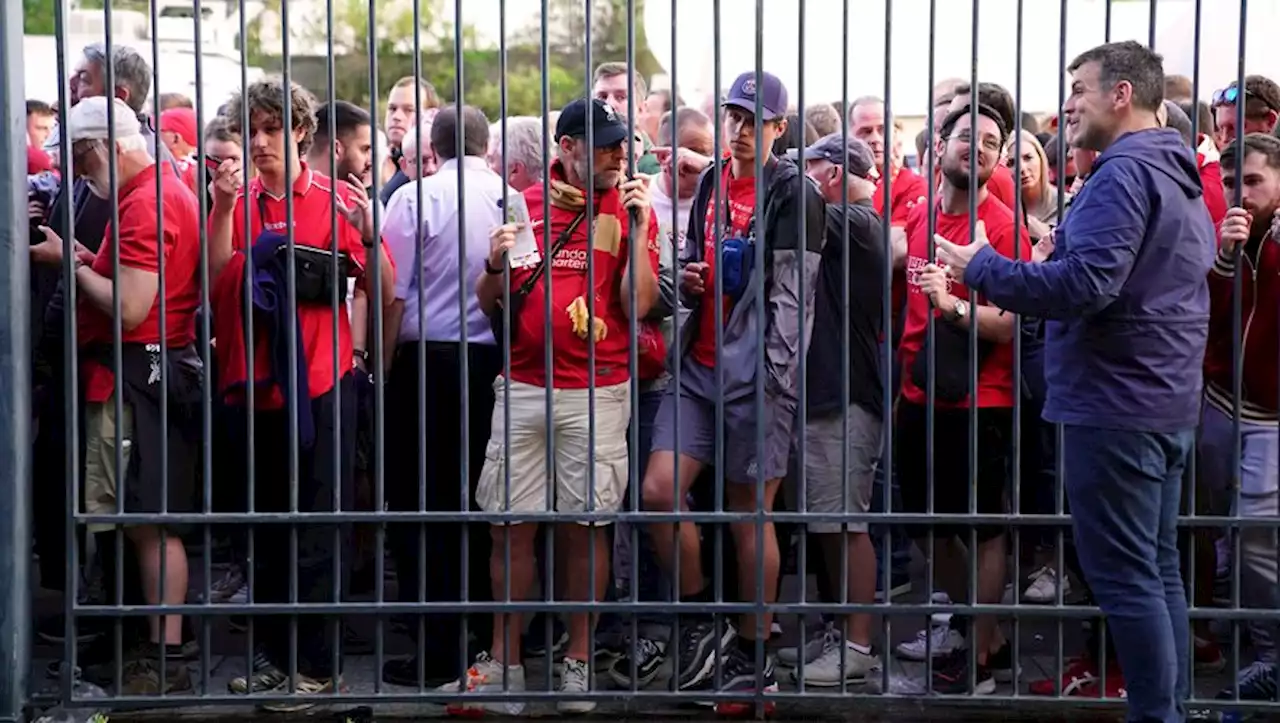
(520, 293)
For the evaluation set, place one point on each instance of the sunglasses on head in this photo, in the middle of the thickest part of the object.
(1229, 96)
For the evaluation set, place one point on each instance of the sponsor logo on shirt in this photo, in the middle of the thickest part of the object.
(572, 259)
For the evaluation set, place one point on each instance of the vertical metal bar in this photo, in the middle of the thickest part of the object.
(549, 545)
(721, 226)
(802, 181)
(1061, 141)
(373, 267)
(1019, 210)
(761, 632)
(15, 381)
(117, 394)
(589, 182)
(975, 147)
(1192, 538)
(931, 215)
(1237, 346)
(846, 334)
(250, 394)
(206, 354)
(504, 344)
(292, 403)
(633, 354)
(677, 504)
(162, 313)
(419, 273)
(465, 293)
(70, 371)
(336, 458)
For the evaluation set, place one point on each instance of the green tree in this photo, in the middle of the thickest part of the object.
(38, 17)
(566, 34)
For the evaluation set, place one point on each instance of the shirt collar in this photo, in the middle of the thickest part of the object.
(138, 181)
(468, 162)
(301, 184)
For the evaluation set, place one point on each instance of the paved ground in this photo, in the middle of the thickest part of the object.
(1039, 644)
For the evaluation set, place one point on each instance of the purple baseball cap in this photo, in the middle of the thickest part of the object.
(768, 88)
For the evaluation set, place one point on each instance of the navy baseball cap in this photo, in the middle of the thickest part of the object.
(855, 156)
(772, 94)
(607, 127)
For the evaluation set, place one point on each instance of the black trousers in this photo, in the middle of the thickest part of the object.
(425, 471)
(323, 550)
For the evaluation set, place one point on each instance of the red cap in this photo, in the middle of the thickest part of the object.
(38, 161)
(183, 122)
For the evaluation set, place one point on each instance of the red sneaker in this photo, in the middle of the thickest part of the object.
(1080, 679)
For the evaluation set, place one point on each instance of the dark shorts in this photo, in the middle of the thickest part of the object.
(697, 434)
(951, 466)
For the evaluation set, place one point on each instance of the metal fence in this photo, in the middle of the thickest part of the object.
(286, 507)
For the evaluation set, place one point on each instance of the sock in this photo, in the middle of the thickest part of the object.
(864, 649)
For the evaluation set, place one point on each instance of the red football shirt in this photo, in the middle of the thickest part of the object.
(312, 201)
(908, 189)
(568, 282)
(741, 196)
(140, 248)
(995, 378)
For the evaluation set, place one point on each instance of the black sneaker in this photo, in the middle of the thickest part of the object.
(1257, 682)
(648, 658)
(404, 672)
(534, 643)
(951, 676)
(696, 649)
(1001, 664)
(738, 674)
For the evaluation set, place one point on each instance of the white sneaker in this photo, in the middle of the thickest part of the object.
(575, 678)
(789, 657)
(944, 641)
(826, 671)
(486, 676)
(1044, 586)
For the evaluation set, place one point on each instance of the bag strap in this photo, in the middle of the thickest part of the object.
(560, 243)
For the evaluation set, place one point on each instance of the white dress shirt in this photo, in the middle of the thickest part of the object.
(435, 249)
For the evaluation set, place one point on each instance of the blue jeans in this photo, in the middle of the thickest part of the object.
(1125, 490)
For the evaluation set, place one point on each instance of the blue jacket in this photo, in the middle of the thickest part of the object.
(1125, 295)
(270, 306)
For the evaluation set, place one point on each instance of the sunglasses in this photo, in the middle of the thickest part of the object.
(1229, 96)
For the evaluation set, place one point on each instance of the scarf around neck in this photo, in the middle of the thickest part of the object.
(610, 219)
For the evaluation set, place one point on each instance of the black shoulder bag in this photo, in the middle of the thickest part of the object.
(951, 374)
(519, 295)
(314, 279)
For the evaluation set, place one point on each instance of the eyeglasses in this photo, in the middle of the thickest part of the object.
(1229, 96)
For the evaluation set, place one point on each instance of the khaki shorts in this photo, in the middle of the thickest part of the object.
(570, 430)
(100, 471)
(836, 483)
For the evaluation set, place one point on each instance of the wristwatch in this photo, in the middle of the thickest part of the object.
(488, 269)
(960, 310)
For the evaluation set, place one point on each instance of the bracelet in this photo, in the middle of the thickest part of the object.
(488, 269)
(361, 354)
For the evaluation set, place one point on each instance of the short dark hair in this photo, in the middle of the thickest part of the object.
(40, 108)
(475, 132)
(1263, 143)
(1128, 61)
(1262, 96)
(347, 117)
(614, 69)
(682, 117)
(797, 128)
(995, 97)
(426, 91)
(949, 124)
(219, 129)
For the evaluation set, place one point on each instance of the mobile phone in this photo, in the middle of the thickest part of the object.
(212, 162)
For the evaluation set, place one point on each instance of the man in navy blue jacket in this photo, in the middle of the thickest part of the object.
(1127, 304)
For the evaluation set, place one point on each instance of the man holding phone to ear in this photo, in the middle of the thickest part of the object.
(722, 240)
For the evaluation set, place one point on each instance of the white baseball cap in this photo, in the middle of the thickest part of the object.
(88, 120)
